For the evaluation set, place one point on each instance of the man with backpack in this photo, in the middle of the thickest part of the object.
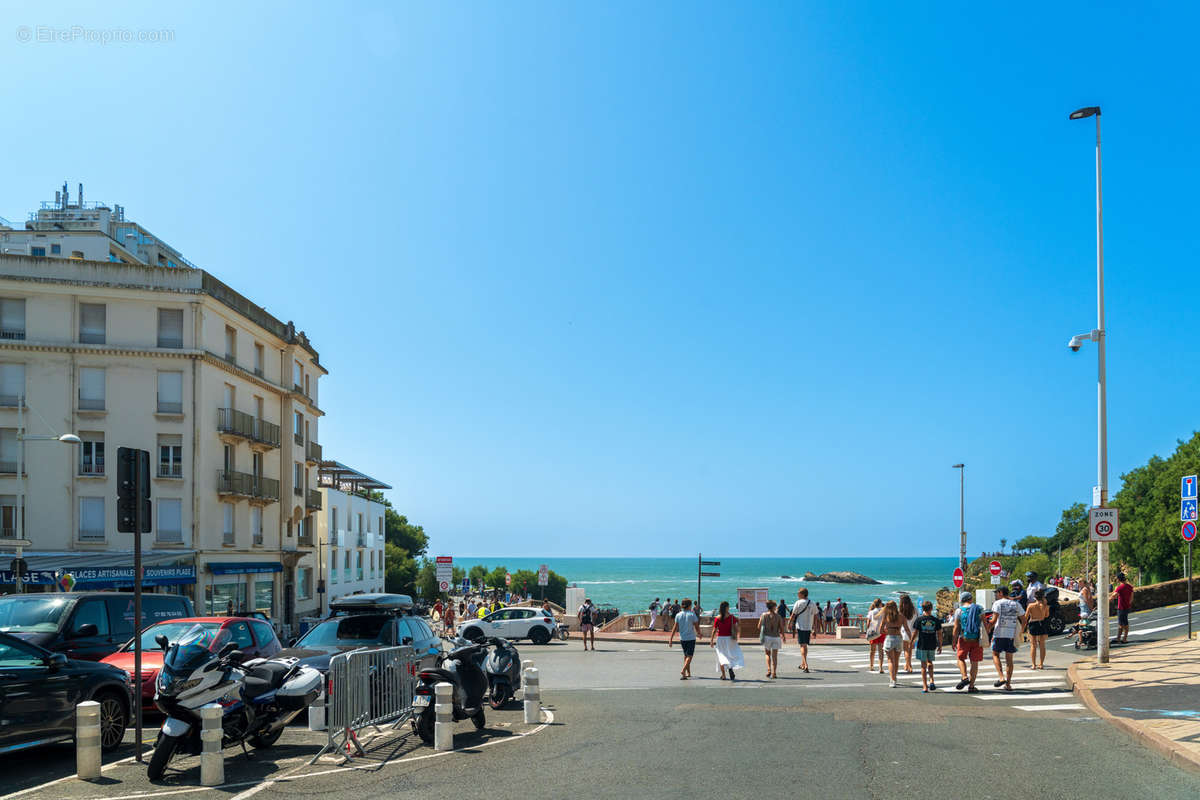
(968, 627)
(587, 623)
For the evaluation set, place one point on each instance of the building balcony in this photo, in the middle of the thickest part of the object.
(305, 540)
(312, 500)
(259, 432)
(91, 470)
(243, 484)
(168, 470)
(312, 453)
(298, 438)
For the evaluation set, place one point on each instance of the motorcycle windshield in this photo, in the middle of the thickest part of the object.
(192, 651)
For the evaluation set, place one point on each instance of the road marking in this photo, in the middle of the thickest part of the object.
(620, 689)
(1014, 696)
(1156, 630)
(1057, 707)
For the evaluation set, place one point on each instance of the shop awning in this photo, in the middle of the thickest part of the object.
(111, 569)
(243, 567)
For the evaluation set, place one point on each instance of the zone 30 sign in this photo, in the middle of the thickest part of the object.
(1103, 524)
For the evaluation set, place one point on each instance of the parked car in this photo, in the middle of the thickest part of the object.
(87, 625)
(370, 621)
(535, 624)
(40, 689)
(253, 637)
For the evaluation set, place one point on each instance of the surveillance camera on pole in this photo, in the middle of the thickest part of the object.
(1077, 341)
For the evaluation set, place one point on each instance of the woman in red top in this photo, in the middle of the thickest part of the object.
(724, 641)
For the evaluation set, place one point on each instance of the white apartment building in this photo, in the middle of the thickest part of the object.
(170, 360)
(350, 535)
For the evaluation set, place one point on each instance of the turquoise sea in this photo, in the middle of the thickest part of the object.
(631, 583)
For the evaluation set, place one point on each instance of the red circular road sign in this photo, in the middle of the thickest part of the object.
(1188, 531)
(995, 567)
(958, 577)
(1104, 529)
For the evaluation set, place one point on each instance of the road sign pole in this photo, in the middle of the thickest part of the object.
(137, 617)
(1189, 583)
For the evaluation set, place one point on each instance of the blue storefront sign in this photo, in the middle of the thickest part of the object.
(109, 577)
(243, 567)
(38, 577)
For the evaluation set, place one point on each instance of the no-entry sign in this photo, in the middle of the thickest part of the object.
(995, 568)
(958, 577)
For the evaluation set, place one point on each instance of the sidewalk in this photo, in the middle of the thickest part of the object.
(1152, 692)
(660, 637)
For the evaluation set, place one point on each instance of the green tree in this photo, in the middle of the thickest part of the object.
(555, 591)
(402, 532)
(427, 579)
(400, 570)
(1149, 507)
(495, 578)
(477, 574)
(1072, 528)
(1031, 542)
(1002, 543)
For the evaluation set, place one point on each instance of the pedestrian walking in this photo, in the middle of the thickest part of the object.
(968, 627)
(909, 612)
(653, 613)
(770, 633)
(892, 623)
(875, 634)
(842, 612)
(829, 626)
(927, 630)
(587, 623)
(1124, 595)
(1085, 600)
(803, 611)
(1007, 617)
(448, 618)
(1037, 613)
(724, 641)
(687, 625)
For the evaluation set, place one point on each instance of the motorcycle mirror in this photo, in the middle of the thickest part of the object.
(227, 649)
(162, 641)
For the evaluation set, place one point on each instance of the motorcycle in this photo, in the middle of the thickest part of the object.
(258, 697)
(502, 665)
(460, 668)
(564, 631)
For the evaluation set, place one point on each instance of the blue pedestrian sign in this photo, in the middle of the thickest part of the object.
(466, 585)
(1187, 510)
(1187, 487)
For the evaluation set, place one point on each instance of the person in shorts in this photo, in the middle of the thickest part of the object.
(1124, 595)
(802, 621)
(770, 627)
(1008, 619)
(927, 630)
(587, 623)
(687, 625)
(968, 627)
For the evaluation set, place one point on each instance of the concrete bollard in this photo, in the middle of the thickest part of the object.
(443, 721)
(212, 760)
(533, 697)
(316, 714)
(87, 740)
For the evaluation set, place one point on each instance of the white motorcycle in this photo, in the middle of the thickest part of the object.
(258, 698)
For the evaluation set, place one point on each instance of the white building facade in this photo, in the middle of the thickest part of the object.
(350, 534)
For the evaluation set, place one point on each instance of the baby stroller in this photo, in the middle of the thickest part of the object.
(1084, 632)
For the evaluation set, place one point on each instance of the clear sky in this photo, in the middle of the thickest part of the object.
(634, 278)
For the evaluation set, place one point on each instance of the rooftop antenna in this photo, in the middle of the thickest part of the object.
(80, 199)
(57, 197)
(66, 198)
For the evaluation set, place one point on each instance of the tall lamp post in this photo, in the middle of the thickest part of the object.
(1098, 337)
(962, 525)
(22, 437)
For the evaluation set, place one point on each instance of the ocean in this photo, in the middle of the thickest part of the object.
(631, 584)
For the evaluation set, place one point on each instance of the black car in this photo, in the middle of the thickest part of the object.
(87, 625)
(366, 621)
(40, 689)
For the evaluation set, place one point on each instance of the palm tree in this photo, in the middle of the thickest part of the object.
(1002, 543)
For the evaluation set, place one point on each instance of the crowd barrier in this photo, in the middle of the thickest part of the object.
(367, 689)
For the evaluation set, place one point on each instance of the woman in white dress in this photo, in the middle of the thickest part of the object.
(724, 641)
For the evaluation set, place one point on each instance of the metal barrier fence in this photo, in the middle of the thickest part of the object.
(367, 689)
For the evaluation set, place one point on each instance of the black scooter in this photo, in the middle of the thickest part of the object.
(460, 668)
(502, 665)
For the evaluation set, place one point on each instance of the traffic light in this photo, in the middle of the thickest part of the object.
(133, 486)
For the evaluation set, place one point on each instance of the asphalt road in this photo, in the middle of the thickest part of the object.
(624, 725)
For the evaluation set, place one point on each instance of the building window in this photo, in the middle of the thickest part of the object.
(333, 566)
(230, 345)
(258, 359)
(12, 384)
(304, 583)
(297, 375)
(229, 460)
(55, 249)
(170, 455)
(12, 318)
(170, 327)
(8, 450)
(298, 478)
(91, 519)
(358, 565)
(346, 566)
(91, 454)
(372, 572)
(91, 323)
(91, 388)
(170, 520)
(170, 392)
(298, 427)
(256, 465)
(256, 528)
(37, 252)
(227, 526)
(360, 524)
(307, 393)
(8, 518)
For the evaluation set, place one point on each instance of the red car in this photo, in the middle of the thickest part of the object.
(254, 637)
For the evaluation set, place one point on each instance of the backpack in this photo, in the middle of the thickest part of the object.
(585, 615)
(969, 619)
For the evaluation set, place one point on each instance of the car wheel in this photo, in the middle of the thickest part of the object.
(472, 634)
(114, 719)
(539, 636)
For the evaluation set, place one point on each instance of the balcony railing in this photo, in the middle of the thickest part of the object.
(239, 423)
(298, 438)
(11, 334)
(173, 342)
(9, 400)
(91, 534)
(312, 500)
(313, 452)
(168, 470)
(244, 484)
(91, 403)
(305, 539)
(91, 469)
(8, 466)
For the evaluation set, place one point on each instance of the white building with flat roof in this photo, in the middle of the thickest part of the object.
(350, 533)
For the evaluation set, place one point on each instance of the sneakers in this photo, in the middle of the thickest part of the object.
(962, 685)
(732, 677)
(893, 684)
(932, 687)
(972, 690)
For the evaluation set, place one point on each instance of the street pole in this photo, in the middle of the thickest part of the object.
(18, 578)
(1189, 582)
(699, 566)
(962, 525)
(1102, 405)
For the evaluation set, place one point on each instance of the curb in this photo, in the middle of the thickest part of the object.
(603, 638)
(1155, 741)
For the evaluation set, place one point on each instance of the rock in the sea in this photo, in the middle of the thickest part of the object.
(840, 577)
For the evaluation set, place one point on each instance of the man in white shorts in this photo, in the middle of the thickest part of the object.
(802, 619)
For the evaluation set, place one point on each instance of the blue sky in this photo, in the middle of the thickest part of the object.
(640, 279)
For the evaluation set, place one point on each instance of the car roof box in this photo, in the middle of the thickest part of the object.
(366, 603)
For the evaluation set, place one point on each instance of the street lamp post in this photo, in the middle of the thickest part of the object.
(1098, 336)
(22, 437)
(962, 525)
